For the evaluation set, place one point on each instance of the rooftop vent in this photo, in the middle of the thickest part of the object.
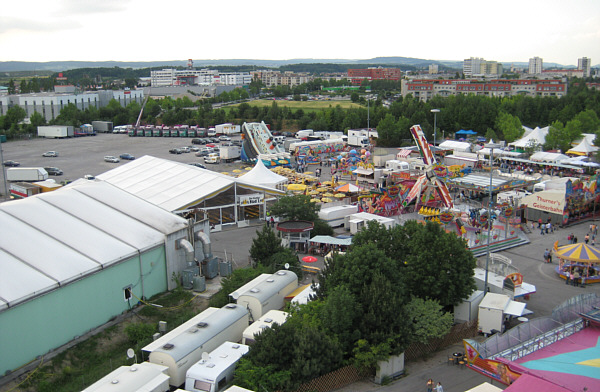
(210, 365)
(236, 346)
(280, 273)
(270, 280)
(230, 306)
(254, 290)
(202, 324)
(168, 346)
(268, 320)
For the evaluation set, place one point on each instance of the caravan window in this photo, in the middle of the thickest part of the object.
(202, 386)
(222, 384)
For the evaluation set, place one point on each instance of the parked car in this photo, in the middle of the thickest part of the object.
(11, 163)
(194, 148)
(110, 158)
(54, 171)
(89, 177)
(201, 166)
(185, 149)
(204, 151)
(213, 157)
(224, 138)
(175, 151)
(198, 141)
(127, 156)
(50, 154)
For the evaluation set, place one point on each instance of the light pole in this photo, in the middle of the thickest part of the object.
(491, 145)
(435, 112)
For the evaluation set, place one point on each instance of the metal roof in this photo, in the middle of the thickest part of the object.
(54, 238)
(173, 185)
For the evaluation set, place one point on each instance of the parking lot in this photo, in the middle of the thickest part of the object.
(80, 156)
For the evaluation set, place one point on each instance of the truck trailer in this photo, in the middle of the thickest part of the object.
(227, 129)
(102, 126)
(21, 190)
(56, 131)
(26, 174)
(230, 153)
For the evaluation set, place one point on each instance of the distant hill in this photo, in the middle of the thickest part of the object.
(57, 66)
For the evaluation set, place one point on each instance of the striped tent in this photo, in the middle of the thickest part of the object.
(580, 253)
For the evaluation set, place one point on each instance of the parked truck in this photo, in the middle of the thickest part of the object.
(230, 153)
(56, 131)
(358, 141)
(26, 174)
(102, 126)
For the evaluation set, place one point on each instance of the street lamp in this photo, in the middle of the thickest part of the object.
(491, 145)
(435, 112)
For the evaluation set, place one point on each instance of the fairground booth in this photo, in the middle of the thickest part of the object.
(579, 263)
(576, 201)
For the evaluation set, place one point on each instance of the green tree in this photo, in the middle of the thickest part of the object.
(428, 320)
(265, 245)
(590, 123)
(556, 137)
(297, 207)
(509, 126)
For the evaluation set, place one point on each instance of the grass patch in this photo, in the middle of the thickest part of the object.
(305, 105)
(87, 362)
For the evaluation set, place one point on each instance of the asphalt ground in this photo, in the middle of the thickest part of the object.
(85, 155)
(80, 156)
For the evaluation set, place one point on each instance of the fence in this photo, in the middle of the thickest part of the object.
(349, 374)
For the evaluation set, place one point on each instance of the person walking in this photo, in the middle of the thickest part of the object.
(539, 223)
(549, 228)
(430, 385)
(439, 387)
(542, 228)
(546, 255)
(586, 238)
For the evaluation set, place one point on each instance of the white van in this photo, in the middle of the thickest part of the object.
(213, 157)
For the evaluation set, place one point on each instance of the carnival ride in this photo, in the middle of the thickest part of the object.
(432, 179)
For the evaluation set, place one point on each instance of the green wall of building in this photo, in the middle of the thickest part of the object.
(47, 322)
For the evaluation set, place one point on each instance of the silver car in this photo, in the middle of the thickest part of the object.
(110, 158)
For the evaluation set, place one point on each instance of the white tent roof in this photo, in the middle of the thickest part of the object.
(548, 157)
(455, 146)
(54, 238)
(584, 147)
(260, 175)
(172, 185)
(537, 136)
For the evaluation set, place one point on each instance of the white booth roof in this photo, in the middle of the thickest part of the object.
(455, 146)
(54, 238)
(173, 185)
(260, 175)
(536, 136)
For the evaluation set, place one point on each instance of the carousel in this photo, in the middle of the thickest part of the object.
(581, 260)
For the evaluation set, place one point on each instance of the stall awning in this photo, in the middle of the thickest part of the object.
(515, 308)
(325, 239)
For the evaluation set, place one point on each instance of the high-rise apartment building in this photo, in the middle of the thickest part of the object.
(536, 65)
(585, 64)
(476, 66)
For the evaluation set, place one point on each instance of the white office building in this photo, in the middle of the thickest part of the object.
(536, 65)
(201, 77)
(585, 64)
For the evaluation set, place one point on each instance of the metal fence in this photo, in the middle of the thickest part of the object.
(540, 332)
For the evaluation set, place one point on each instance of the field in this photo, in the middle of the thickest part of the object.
(304, 105)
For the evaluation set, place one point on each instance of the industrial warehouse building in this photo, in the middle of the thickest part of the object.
(189, 190)
(75, 258)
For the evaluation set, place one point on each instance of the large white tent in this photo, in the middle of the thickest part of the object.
(550, 157)
(583, 148)
(535, 137)
(455, 146)
(260, 175)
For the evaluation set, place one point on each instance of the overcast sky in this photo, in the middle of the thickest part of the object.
(149, 30)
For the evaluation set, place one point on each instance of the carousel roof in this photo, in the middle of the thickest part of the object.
(579, 252)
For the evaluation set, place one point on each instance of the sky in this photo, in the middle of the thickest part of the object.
(150, 30)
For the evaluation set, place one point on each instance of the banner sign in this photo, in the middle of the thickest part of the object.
(251, 200)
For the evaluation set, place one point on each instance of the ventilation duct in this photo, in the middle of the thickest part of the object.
(188, 248)
(206, 247)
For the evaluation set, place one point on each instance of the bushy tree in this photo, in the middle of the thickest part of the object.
(265, 245)
(428, 320)
(297, 207)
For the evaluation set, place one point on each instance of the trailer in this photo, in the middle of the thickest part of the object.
(227, 129)
(21, 190)
(182, 347)
(55, 131)
(265, 321)
(26, 174)
(102, 126)
(141, 377)
(265, 293)
(334, 216)
(495, 309)
(467, 310)
(230, 153)
(214, 372)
